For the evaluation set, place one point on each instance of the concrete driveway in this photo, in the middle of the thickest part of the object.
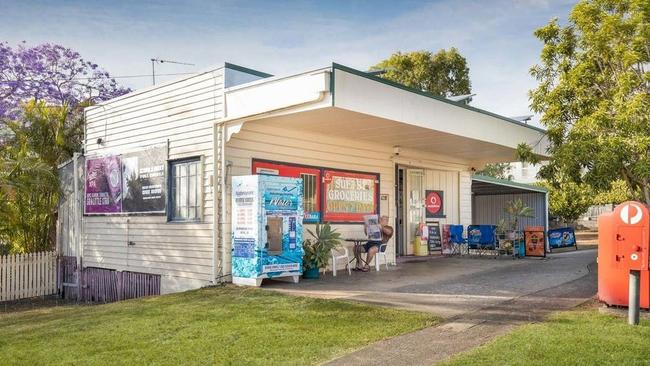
(478, 298)
(451, 286)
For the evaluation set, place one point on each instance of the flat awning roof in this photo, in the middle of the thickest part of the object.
(485, 186)
(341, 101)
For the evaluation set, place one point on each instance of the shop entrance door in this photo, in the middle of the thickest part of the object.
(400, 180)
(409, 193)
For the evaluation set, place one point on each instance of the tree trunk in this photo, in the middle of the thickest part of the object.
(646, 191)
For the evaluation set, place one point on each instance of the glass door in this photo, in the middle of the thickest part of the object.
(414, 206)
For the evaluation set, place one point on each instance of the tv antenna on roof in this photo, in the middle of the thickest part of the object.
(161, 61)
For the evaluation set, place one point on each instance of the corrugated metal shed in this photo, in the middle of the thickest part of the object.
(490, 197)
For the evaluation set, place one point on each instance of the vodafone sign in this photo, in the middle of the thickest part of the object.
(434, 204)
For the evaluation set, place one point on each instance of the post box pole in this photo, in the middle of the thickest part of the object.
(634, 301)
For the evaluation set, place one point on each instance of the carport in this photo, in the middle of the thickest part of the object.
(491, 195)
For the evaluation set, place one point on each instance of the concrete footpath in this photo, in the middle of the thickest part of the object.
(477, 325)
(478, 299)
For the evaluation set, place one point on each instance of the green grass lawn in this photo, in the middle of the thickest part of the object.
(581, 337)
(225, 325)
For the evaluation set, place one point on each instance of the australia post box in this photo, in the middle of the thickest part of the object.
(623, 246)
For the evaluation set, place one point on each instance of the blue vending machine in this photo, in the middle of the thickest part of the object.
(267, 213)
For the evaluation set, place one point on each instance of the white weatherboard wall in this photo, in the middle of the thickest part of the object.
(262, 140)
(182, 114)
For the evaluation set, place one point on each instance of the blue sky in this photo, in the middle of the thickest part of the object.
(282, 37)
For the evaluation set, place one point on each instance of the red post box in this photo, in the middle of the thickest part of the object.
(623, 245)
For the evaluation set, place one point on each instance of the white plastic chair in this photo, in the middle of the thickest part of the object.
(338, 255)
(382, 253)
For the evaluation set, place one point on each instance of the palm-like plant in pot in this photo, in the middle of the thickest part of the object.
(318, 249)
(514, 210)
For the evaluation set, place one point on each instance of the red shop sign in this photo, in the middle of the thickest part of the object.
(349, 196)
(434, 204)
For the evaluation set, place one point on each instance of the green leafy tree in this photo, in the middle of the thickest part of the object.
(568, 200)
(496, 170)
(618, 193)
(41, 138)
(593, 94)
(444, 73)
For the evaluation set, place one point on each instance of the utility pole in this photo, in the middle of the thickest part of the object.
(161, 61)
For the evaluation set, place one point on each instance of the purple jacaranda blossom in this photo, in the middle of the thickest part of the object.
(51, 73)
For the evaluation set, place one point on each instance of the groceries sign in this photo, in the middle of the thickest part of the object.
(349, 196)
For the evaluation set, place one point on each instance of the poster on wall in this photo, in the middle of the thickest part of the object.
(143, 180)
(134, 182)
(103, 185)
(434, 204)
(348, 197)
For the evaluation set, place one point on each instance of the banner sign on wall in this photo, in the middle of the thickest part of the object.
(434, 204)
(143, 178)
(130, 183)
(349, 196)
(103, 185)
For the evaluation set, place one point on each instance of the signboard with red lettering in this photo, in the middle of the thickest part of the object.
(349, 196)
(434, 204)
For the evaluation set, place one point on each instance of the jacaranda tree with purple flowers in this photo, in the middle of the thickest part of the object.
(53, 74)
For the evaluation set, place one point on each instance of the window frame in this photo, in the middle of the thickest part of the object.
(199, 160)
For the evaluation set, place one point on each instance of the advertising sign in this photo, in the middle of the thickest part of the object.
(447, 246)
(534, 241)
(434, 237)
(130, 183)
(434, 204)
(143, 179)
(103, 185)
(349, 196)
(561, 238)
(266, 227)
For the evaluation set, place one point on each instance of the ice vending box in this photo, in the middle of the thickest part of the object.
(267, 213)
(623, 245)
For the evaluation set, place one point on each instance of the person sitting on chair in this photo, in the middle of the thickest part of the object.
(372, 247)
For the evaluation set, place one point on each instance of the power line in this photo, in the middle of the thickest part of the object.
(120, 76)
(143, 75)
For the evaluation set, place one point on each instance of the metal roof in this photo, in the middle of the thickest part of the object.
(483, 185)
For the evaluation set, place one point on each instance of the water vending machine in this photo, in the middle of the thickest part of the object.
(267, 213)
(623, 244)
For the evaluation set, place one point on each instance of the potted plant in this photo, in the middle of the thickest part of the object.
(514, 210)
(318, 249)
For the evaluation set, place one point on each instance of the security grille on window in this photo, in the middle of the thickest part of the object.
(185, 190)
(309, 192)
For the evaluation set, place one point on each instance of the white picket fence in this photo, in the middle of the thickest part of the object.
(27, 275)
